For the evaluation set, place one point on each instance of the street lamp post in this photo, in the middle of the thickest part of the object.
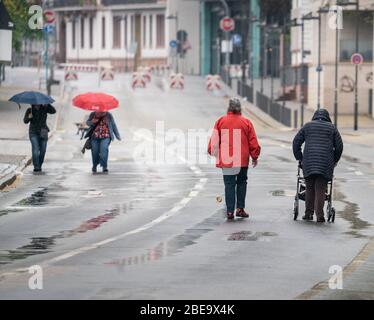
(357, 5)
(175, 17)
(302, 80)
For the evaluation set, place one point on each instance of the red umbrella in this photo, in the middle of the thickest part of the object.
(99, 102)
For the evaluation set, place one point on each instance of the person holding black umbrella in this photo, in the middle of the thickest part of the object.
(36, 116)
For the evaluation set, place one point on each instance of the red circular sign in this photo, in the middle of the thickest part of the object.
(49, 16)
(227, 24)
(357, 59)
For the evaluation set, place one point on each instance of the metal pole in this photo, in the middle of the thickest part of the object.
(176, 34)
(263, 61)
(319, 61)
(272, 75)
(227, 38)
(302, 97)
(284, 65)
(336, 73)
(356, 67)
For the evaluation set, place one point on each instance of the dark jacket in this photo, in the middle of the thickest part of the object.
(323, 146)
(113, 130)
(39, 118)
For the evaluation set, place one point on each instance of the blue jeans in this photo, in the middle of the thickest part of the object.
(39, 148)
(235, 188)
(100, 152)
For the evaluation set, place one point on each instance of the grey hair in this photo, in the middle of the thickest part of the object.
(235, 105)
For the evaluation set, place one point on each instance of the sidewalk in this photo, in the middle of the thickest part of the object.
(14, 142)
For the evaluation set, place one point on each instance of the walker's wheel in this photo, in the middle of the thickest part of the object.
(295, 209)
(332, 215)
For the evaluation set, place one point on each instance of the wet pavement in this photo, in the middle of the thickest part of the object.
(153, 231)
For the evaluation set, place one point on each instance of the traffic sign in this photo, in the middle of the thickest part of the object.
(237, 39)
(357, 59)
(227, 24)
(173, 43)
(49, 17)
(48, 28)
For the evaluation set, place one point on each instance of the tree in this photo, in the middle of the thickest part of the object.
(19, 13)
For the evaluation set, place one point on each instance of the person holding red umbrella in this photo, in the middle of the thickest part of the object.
(103, 129)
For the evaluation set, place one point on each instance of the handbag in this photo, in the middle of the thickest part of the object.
(88, 143)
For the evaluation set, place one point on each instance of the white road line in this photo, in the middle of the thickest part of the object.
(166, 215)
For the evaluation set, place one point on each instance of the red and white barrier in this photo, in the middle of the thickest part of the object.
(107, 74)
(213, 82)
(146, 71)
(176, 81)
(138, 80)
(79, 67)
(71, 76)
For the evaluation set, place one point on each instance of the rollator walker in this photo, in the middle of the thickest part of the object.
(300, 195)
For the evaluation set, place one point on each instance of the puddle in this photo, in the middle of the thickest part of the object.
(351, 213)
(283, 193)
(356, 160)
(43, 197)
(174, 245)
(250, 236)
(7, 211)
(42, 245)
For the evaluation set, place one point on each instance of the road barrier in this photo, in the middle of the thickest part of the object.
(146, 71)
(107, 74)
(246, 91)
(138, 80)
(79, 67)
(213, 82)
(176, 81)
(71, 76)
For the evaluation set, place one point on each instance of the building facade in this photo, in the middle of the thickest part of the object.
(344, 47)
(121, 33)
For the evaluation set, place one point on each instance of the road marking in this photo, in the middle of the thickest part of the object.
(359, 173)
(198, 187)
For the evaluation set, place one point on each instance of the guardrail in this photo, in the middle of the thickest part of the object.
(277, 111)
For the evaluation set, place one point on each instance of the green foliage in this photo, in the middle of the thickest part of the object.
(18, 11)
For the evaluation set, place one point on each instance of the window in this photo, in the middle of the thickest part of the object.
(74, 40)
(144, 31)
(160, 41)
(348, 36)
(91, 31)
(151, 31)
(82, 32)
(116, 32)
(103, 33)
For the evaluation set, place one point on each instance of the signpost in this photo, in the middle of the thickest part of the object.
(357, 59)
(227, 24)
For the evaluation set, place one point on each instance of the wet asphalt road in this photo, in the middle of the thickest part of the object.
(156, 231)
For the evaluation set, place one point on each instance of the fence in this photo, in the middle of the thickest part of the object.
(245, 90)
(277, 111)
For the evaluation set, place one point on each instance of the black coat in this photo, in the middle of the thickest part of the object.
(39, 118)
(323, 146)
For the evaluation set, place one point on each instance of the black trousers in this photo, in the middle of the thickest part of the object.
(235, 180)
(316, 186)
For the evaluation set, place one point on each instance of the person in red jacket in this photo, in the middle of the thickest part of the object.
(233, 143)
